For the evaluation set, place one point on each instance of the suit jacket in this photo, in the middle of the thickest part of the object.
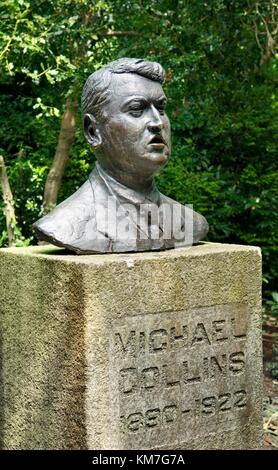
(106, 216)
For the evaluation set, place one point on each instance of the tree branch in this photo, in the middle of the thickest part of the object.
(65, 140)
(120, 33)
(8, 203)
(267, 51)
(6, 48)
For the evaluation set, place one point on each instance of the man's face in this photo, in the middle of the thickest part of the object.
(136, 131)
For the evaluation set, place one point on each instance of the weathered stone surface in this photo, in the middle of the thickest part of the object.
(145, 350)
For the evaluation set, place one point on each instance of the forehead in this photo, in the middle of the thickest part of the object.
(127, 85)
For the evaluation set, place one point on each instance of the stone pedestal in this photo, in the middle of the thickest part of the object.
(131, 351)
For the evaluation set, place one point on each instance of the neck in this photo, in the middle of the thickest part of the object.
(136, 182)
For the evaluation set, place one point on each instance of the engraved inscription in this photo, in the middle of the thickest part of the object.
(185, 336)
(182, 371)
(169, 375)
(209, 405)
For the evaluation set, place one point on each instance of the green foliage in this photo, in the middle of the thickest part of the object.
(272, 367)
(222, 103)
(273, 304)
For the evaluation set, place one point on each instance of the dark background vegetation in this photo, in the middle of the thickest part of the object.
(221, 62)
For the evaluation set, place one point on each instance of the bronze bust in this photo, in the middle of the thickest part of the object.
(119, 208)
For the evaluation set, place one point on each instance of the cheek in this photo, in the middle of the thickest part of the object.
(124, 132)
(167, 124)
(114, 132)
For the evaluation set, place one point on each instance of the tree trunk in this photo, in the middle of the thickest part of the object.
(66, 137)
(8, 203)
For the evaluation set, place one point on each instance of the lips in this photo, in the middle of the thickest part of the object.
(157, 142)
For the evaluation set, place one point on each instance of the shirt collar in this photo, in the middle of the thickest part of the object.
(128, 195)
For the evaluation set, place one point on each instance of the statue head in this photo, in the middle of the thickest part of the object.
(124, 119)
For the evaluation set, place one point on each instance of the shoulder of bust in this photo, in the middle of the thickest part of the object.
(200, 224)
(67, 221)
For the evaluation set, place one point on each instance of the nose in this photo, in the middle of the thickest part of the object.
(155, 123)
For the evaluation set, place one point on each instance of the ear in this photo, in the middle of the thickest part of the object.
(91, 131)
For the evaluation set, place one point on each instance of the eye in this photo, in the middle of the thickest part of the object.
(136, 112)
(161, 108)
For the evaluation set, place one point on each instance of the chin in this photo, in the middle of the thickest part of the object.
(157, 158)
